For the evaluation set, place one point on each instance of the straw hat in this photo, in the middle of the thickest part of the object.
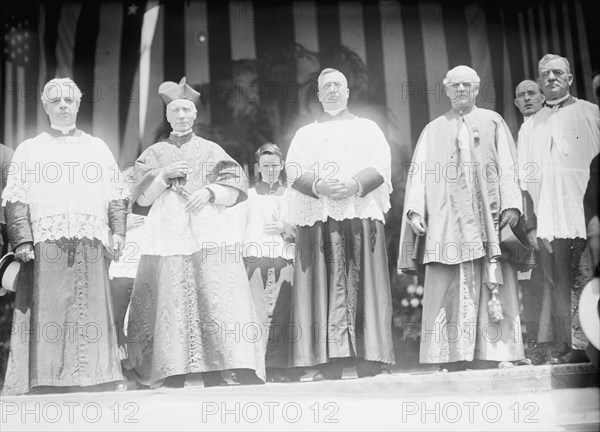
(9, 270)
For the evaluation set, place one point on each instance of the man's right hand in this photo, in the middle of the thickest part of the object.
(175, 170)
(418, 224)
(24, 252)
(532, 237)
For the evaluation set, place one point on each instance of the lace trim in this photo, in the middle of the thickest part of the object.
(305, 210)
(79, 226)
(119, 190)
(16, 191)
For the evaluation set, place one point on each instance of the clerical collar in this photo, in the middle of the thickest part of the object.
(561, 102)
(178, 139)
(181, 133)
(58, 131)
(264, 188)
(465, 111)
(341, 115)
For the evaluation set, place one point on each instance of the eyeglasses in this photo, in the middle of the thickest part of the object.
(332, 86)
(556, 72)
(466, 85)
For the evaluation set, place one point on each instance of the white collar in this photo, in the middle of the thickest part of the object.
(181, 133)
(335, 112)
(557, 101)
(64, 129)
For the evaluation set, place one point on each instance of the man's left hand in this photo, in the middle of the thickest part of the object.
(347, 187)
(118, 246)
(198, 200)
(510, 217)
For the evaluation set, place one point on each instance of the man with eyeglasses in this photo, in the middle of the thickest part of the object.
(460, 192)
(529, 98)
(555, 150)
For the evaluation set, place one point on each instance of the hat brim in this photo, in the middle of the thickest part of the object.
(9, 270)
(589, 313)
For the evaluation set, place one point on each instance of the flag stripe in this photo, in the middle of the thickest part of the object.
(542, 32)
(174, 38)
(576, 60)
(84, 53)
(328, 25)
(44, 38)
(69, 15)
(108, 51)
(155, 121)
(305, 24)
(535, 52)
(128, 84)
(9, 106)
(415, 65)
(20, 107)
(197, 61)
(395, 73)
(480, 53)
(585, 66)
(352, 31)
(455, 33)
(436, 57)
(554, 29)
(495, 45)
(527, 73)
(570, 55)
(590, 16)
(374, 52)
(219, 52)
(516, 49)
(243, 25)
(546, 19)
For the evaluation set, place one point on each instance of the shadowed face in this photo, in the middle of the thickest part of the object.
(529, 99)
(333, 91)
(462, 87)
(181, 114)
(61, 104)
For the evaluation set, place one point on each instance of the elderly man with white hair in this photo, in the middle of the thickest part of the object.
(461, 191)
(66, 211)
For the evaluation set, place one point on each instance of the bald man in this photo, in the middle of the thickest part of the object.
(529, 98)
(460, 192)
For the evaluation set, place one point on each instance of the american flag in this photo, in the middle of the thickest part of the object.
(398, 52)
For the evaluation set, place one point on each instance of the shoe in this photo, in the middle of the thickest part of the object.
(120, 386)
(366, 368)
(505, 365)
(213, 379)
(174, 381)
(277, 375)
(246, 376)
(573, 356)
(524, 362)
(330, 371)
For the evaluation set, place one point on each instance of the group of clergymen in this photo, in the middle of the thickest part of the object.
(230, 284)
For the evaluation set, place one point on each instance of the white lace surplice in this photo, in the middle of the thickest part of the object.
(555, 150)
(68, 183)
(338, 150)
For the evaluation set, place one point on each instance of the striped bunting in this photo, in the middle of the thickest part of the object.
(119, 52)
